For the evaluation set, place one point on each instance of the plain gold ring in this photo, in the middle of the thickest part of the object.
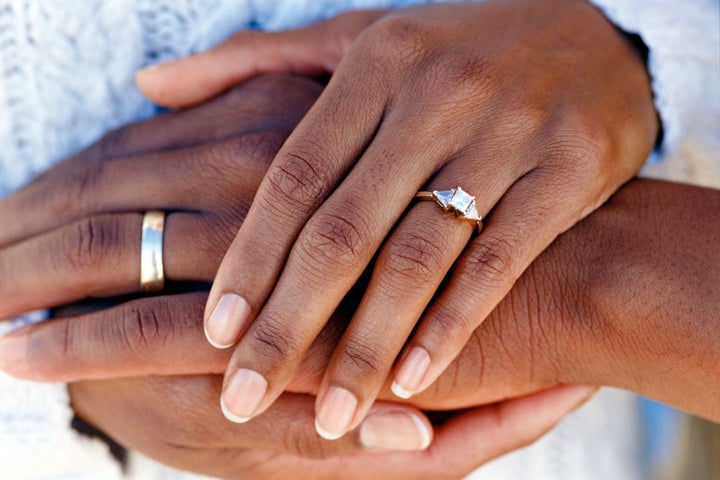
(152, 272)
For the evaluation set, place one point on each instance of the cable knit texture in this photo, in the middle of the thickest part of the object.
(66, 77)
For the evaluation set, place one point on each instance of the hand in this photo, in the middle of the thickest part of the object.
(176, 421)
(74, 232)
(594, 308)
(541, 109)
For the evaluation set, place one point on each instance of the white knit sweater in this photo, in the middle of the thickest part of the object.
(66, 76)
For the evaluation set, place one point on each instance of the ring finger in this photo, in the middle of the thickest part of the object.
(100, 256)
(409, 270)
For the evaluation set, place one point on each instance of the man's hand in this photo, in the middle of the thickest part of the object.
(74, 232)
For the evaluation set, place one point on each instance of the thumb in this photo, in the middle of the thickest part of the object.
(312, 50)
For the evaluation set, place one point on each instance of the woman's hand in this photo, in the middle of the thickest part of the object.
(539, 109)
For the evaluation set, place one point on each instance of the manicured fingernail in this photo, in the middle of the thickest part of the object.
(227, 321)
(394, 430)
(242, 395)
(411, 373)
(13, 351)
(335, 413)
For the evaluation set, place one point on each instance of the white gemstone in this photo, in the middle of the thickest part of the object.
(461, 201)
(444, 197)
(472, 213)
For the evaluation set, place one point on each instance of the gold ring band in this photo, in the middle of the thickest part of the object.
(457, 200)
(152, 272)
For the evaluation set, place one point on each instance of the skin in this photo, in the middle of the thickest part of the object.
(82, 240)
(592, 309)
(540, 109)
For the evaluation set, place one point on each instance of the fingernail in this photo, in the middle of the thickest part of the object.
(153, 68)
(335, 413)
(411, 373)
(242, 396)
(227, 321)
(394, 430)
(13, 351)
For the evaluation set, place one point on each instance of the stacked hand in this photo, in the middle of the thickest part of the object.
(541, 110)
(577, 315)
(75, 232)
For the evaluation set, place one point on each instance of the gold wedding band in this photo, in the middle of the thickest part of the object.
(458, 201)
(152, 272)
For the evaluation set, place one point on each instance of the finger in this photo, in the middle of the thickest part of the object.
(186, 420)
(99, 256)
(160, 335)
(264, 103)
(162, 181)
(467, 440)
(329, 256)
(302, 175)
(485, 433)
(307, 51)
(149, 336)
(521, 226)
(258, 114)
(410, 267)
(408, 272)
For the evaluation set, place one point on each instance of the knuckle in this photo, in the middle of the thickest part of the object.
(413, 257)
(361, 360)
(335, 240)
(231, 162)
(401, 38)
(114, 143)
(298, 178)
(90, 242)
(261, 147)
(583, 143)
(450, 324)
(303, 442)
(275, 343)
(489, 264)
(143, 328)
(82, 191)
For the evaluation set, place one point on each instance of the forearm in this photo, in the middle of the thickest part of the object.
(647, 267)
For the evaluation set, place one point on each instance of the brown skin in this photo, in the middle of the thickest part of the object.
(82, 239)
(593, 308)
(539, 108)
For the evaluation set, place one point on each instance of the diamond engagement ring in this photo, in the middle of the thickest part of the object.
(457, 201)
(152, 272)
